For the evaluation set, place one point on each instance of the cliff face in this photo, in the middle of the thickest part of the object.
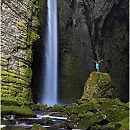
(19, 31)
(92, 29)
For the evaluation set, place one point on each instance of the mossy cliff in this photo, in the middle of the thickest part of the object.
(20, 22)
(92, 30)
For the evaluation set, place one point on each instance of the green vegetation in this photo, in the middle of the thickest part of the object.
(58, 108)
(38, 107)
(37, 127)
(17, 111)
(9, 101)
(99, 113)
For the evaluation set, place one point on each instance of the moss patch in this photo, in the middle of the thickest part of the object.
(16, 110)
(37, 127)
(99, 113)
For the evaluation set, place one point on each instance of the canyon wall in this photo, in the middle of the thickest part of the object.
(19, 30)
(92, 30)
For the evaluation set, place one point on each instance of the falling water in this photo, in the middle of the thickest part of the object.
(51, 51)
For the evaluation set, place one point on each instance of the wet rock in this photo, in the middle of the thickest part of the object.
(5, 122)
(56, 114)
(38, 108)
(37, 127)
(59, 125)
(98, 85)
(46, 121)
(98, 113)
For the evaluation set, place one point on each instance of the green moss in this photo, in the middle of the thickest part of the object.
(3, 61)
(86, 122)
(9, 101)
(31, 36)
(109, 126)
(112, 126)
(6, 73)
(28, 54)
(74, 117)
(18, 111)
(58, 108)
(13, 86)
(22, 24)
(124, 123)
(23, 100)
(35, 21)
(37, 127)
(8, 79)
(73, 108)
(8, 92)
(99, 113)
(38, 107)
(119, 114)
(27, 74)
(88, 114)
(6, 95)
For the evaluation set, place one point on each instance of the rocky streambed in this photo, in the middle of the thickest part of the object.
(39, 122)
(96, 110)
(95, 114)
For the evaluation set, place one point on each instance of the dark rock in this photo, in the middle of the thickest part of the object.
(38, 108)
(93, 30)
(46, 121)
(59, 125)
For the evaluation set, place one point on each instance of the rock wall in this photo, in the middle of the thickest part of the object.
(19, 30)
(92, 29)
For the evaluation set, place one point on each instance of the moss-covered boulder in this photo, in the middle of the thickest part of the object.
(98, 85)
(99, 114)
(22, 111)
(16, 107)
(37, 127)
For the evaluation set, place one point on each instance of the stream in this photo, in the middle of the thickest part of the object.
(46, 121)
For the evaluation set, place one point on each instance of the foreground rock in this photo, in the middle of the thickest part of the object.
(94, 114)
(15, 108)
(100, 113)
(98, 85)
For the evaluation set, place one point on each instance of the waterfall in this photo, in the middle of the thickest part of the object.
(51, 51)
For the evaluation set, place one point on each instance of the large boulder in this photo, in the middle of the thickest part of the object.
(98, 85)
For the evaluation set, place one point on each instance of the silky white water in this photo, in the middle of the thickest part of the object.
(51, 51)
